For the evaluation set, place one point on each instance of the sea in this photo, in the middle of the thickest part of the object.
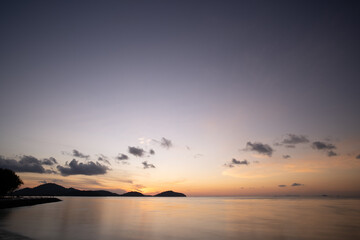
(200, 218)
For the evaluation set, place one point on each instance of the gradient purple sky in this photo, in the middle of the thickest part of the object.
(211, 76)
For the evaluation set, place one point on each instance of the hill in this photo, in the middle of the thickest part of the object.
(52, 189)
(133, 194)
(170, 194)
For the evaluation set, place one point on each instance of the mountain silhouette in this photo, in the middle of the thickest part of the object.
(52, 189)
(133, 194)
(170, 194)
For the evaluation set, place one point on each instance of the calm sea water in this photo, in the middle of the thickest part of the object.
(207, 218)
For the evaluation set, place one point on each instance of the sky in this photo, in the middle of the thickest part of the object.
(208, 98)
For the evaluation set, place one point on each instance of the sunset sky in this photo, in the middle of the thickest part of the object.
(206, 98)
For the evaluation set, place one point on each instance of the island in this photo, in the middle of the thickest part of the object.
(170, 194)
(132, 194)
(46, 193)
(52, 189)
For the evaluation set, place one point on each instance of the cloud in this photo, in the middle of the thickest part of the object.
(76, 168)
(228, 165)
(138, 187)
(147, 165)
(103, 158)
(52, 181)
(259, 148)
(358, 156)
(331, 153)
(282, 186)
(122, 157)
(152, 152)
(292, 139)
(26, 164)
(325, 147)
(322, 146)
(78, 154)
(49, 161)
(138, 152)
(198, 155)
(297, 184)
(166, 143)
(286, 156)
(236, 162)
(290, 146)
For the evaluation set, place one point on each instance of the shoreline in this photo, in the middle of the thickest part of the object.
(12, 203)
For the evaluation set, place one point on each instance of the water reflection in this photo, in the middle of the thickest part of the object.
(186, 218)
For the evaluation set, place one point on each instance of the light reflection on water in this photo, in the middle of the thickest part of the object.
(187, 218)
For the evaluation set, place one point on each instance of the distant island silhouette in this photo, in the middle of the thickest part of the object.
(170, 194)
(52, 189)
(133, 194)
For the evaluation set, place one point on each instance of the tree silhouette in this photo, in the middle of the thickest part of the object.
(9, 181)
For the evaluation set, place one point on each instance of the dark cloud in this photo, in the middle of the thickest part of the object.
(322, 146)
(297, 184)
(27, 164)
(358, 156)
(152, 152)
(166, 143)
(122, 157)
(292, 139)
(138, 152)
(236, 162)
(325, 147)
(282, 186)
(77, 168)
(147, 165)
(49, 161)
(50, 171)
(259, 148)
(103, 158)
(331, 154)
(286, 156)
(78, 154)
